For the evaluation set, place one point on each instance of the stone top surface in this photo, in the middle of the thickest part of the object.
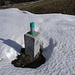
(32, 36)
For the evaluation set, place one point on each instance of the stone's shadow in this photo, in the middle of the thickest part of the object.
(12, 44)
(49, 49)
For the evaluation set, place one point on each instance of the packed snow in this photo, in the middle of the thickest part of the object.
(57, 40)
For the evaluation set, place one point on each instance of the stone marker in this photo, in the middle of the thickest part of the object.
(31, 56)
(32, 44)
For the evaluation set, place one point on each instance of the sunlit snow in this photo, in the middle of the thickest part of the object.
(57, 40)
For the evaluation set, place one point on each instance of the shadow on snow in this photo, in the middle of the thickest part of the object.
(12, 44)
(49, 49)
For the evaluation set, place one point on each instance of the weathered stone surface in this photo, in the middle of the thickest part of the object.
(16, 63)
(25, 60)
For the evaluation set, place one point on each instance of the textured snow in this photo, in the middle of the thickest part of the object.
(57, 39)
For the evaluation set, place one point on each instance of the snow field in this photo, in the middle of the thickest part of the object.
(57, 39)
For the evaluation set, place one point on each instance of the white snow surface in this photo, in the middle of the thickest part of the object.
(57, 39)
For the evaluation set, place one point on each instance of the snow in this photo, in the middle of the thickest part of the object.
(57, 40)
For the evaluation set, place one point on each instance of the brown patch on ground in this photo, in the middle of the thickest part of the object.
(26, 61)
(48, 6)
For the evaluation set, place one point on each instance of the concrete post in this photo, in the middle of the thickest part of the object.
(32, 44)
